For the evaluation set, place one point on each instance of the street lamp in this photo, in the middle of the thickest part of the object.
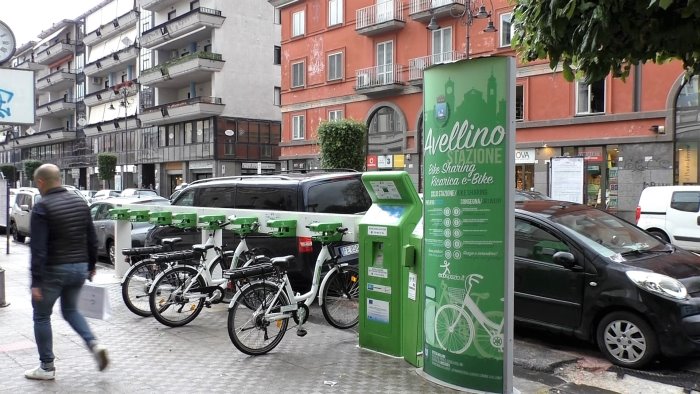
(123, 90)
(467, 15)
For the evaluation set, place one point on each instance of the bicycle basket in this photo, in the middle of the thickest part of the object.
(456, 295)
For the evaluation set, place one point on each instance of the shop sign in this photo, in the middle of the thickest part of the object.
(385, 161)
(594, 153)
(399, 161)
(298, 165)
(371, 162)
(254, 166)
(201, 165)
(525, 156)
(469, 161)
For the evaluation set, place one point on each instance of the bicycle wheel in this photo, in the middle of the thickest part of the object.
(454, 329)
(247, 327)
(340, 298)
(490, 345)
(136, 284)
(168, 303)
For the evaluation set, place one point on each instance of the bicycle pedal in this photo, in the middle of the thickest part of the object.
(301, 332)
(207, 304)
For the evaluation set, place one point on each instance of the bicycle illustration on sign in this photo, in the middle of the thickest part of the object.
(5, 98)
(454, 322)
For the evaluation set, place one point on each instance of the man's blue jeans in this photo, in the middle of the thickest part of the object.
(65, 281)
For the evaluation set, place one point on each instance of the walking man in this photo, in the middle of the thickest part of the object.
(64, 253)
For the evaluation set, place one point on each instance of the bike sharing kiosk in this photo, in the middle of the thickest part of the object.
(389, 307)
(468, 219)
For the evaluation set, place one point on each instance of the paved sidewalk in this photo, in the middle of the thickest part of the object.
(148, 357)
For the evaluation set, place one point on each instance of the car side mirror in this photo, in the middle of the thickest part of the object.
(565, 259)
(24, 207)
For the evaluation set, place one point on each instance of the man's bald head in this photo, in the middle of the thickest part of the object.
(47, 176)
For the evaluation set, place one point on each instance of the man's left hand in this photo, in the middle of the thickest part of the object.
(36, 294)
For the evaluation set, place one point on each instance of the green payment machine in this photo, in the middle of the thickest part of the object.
(389, 305)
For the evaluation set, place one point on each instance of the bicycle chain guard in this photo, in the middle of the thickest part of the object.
(303, 311)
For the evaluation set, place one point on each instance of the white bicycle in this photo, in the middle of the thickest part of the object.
(454, 324)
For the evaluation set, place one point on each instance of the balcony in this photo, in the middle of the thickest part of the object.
(57, 108)
(380, 80)
(281, 3)
(423, 10)
(55, 52)
(58, 80)
(195, 25)
(128, 123)
(157, 5)
(380, 18)
(417, 65)
(50, 136)
(29, 64)
(196, 67)
(178, 111)
(110, 94)
(113, 62)
(112, 28)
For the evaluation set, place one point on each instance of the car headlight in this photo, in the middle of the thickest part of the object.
(659, 284)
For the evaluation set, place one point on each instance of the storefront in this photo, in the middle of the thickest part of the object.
(525, 169)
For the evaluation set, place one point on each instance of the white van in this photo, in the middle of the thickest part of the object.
(671, 213)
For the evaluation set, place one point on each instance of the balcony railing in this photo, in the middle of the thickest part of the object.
(108, 94)
(417, 65)
(109, 29)
(197, 55)
(387, 12)
(57, 80)
(378, 76)
(423, 10)
(192, 108)
(196, 67)
(155, 5)
(59, 107)
(198, 21)
(58, 134)
(111, 62)
(54, 52)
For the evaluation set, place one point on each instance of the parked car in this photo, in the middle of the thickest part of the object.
(77, 192)
(105, 193)
(524, 195)
(5, 215)
(89, 194)
(582, 271)
(339, 192)
(104, 226)
(671, 213)
(20, 214)
(138, 193)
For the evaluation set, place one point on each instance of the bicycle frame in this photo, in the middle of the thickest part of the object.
(480, 316)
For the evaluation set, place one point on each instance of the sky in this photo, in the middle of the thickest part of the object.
(27, 18)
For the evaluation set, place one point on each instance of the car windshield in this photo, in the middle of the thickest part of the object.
(609, 235)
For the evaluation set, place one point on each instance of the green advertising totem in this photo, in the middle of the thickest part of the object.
(468, 145)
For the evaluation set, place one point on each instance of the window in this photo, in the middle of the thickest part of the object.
(335, 66)
(442, 45)
(278, 55)
(534, 243)
(335, 115)
(171, 14)
(215, 197)
(385, 62)
(342, 196)
(590, 98)
(519, 103)
(686, 201)
(277, 17)
(298, 24)
(146, 62)
(277, 99)
(335, 12)
(194, 4)
(298, 71)
(298, 127)
(277, 198)
(506, 29)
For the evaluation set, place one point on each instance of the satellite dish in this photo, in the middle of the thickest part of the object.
(31, 131)
(126, 41)
(229, 132)
(82, 122)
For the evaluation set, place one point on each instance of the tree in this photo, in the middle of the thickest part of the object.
(9, 171)
(29, 167)
(342, 144)
(107, 166)
(592, 38)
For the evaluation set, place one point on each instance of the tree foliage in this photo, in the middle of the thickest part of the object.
(592, 38)
(29, 167)
(107, 166)
(9, 171)
(342, 144)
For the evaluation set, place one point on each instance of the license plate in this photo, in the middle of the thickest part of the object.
(349, 249)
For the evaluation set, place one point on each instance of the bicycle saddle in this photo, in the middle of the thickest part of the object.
(480, 296)
(282, 262)
(170, 241)
(202, 247)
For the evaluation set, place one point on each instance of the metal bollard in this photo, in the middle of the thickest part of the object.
(2, 289)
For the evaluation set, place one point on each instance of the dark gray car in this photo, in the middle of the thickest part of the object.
(104, 226)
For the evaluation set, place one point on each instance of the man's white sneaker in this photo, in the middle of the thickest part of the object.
(101, 356)
(40, 374)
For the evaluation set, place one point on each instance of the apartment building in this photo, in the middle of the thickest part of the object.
(364, 59)
(179, 90)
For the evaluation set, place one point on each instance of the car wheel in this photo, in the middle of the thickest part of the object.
(110, 251)
(659, 234)
(15, 234)
(627, 340)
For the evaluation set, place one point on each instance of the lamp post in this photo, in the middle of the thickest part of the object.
(122, 89)
(467, 15)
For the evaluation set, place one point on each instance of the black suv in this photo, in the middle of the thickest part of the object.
(338, 192)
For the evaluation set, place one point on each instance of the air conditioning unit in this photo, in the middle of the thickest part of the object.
(363, 80)
(97, 80)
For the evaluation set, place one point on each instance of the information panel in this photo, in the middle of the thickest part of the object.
(468, 215)
(567, 179)
(17, 96)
